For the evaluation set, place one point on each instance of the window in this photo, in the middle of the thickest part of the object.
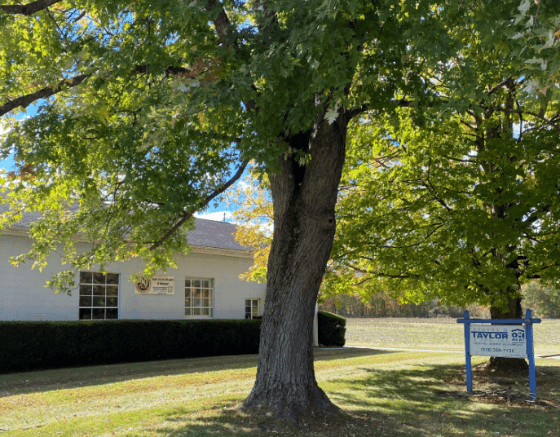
(198, 296)
(251, 308)
(99, 296)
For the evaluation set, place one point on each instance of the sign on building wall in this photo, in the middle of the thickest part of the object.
(499, 341)
(156, 285)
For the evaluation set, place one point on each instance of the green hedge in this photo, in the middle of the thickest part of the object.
(331, 329)
(28, 346)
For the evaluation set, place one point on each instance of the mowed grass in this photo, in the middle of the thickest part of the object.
(434, 334)
(384, 393)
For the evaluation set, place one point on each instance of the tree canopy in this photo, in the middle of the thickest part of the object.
(145, 112)
(463, 207)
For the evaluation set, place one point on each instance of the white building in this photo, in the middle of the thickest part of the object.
(205, 283)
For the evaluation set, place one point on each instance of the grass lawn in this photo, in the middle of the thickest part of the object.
(439, 334)
(385, 393)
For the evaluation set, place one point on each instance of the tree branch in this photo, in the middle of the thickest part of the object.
(28, 9)
(550, 122)
(44, 93)
(28, 99)
(506, 82)
(188, 214)
(222, 23)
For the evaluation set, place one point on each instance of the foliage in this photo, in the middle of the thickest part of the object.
(147, 111)
(45, 345)
(383, 305)
(254, 216)
(331, 329)
(539, 40)
(143, 114)
(463, 208)
(543, 300)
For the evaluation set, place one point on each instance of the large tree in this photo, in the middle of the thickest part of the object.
(464, 207)
(145, 112)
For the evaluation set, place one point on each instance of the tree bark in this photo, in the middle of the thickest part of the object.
(304, 198)
(501, 364)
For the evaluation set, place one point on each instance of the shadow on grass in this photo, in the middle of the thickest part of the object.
(426, 401)
(80, 377)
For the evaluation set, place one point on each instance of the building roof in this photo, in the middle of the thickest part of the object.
(210, 233)
(207, 233)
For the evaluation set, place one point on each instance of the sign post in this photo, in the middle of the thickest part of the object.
(510, 338)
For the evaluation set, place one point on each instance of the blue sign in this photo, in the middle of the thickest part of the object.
(511, 338)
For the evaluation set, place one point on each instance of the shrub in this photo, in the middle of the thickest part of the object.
(331, 329)
(46, 345)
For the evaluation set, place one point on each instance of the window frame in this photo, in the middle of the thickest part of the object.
(250, 315)
(200, 293)
(99, 290)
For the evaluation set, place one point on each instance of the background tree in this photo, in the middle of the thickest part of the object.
(255, 220)
(543, 300)
(145, 112)
(464, 208)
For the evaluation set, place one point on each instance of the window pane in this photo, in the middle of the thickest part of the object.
(256, 304)
(205, 302)
(204, 293)
(85, 277)
(205, 311)
(187, 283)
(85, 301)
(112, 301)
(247, 302)
(196, 293)
(98, 301)
(188, 312)
(98, 278)
(205, 283)
(255, 311)
(187, 292)
(85, 313)
(99, 290)
(112, 291)
(98, 313)
(195, 302)
(196, 283)
(112, 313)
(196, 312)
(85, 290)
(187, 302)
(112, 278)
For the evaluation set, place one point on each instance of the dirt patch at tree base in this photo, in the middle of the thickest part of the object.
(315, 423)
(505, 388)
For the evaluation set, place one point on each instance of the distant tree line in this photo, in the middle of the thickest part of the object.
(383, 305)
(543, 300)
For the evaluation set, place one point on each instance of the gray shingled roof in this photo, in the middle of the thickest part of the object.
(207, 233)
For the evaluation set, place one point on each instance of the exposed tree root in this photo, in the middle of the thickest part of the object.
(280, 405)
(507, 365)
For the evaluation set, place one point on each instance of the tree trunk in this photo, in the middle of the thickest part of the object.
(304, 198)
(501, 364)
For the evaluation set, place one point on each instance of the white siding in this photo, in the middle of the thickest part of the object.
(23, 295)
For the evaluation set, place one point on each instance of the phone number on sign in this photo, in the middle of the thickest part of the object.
(496, 349)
